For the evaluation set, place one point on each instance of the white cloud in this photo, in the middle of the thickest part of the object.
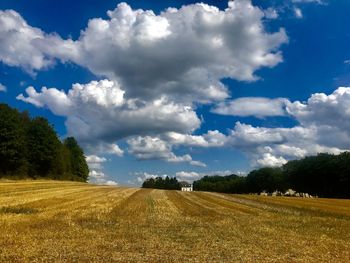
(98, 112)
(298, 13)
(95, 162)
(210, 139)
(272, 146)
(98, 177)
(271, 13)
(318, 117)
(111, 183)
(160, 67)
(322, 109)
(193, 176)
(143, 51)
(208, 43)
(3, 88)
(151, 100)
(21, 44)
(148, 148)
(271, 161)
(188, 175)
(104, 148)
(252, 106)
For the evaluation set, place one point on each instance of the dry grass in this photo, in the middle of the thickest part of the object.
(46, 221)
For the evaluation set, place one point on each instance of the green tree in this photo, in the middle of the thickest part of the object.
(44, 149)
(78, 165)
(12, 142)
(267, 178)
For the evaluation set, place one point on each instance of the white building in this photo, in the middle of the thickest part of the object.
(186, 187)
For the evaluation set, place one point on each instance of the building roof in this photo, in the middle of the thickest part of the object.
(185, 184)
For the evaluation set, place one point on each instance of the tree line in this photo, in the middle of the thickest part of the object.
(30, 147)
(325, 175)
(169, 183)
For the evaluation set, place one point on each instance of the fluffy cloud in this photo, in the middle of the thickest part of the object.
(98, 112)
(273, 146)
(3, 88)
(104, 148)
(192, 176)
(252, 106)
(23, 45)
(324, 126)
(95, 162)
(148, 148)
(318, 117)
(321, 109)
(271, 161)
(209, 139)
(98, 177)
(181, 53)
(160, 67)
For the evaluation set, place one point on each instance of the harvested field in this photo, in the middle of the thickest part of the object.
(47, 221)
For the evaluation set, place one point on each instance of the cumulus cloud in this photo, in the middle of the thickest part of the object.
(143, 50)
(271, 161)
(273, 146)
(318, 117)
(322, 109)
(98, 177)
(22, 44)
(98, 111)
(148, 148)
(182, 53)
(95, 162)
(192, 176)
(252, 106)
(160, 66)
(3, 88)
(209, 139)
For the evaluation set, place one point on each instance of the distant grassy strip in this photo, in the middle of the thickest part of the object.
(302, 205)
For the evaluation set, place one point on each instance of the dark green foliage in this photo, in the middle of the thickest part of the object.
(169, 183)
(31, 148)
(325, 175)
(12, 141)
(224, 184)
(266, 179)
(44, 149)
(77, 160)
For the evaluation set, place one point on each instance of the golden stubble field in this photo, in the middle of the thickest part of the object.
(48, 221)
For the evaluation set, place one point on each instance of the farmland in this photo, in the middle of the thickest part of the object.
(64, 221)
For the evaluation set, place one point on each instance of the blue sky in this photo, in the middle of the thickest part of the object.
(210, 88)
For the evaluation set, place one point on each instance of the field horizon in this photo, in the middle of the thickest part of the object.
(77, 222)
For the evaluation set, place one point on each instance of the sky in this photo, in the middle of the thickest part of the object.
(182, 88)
